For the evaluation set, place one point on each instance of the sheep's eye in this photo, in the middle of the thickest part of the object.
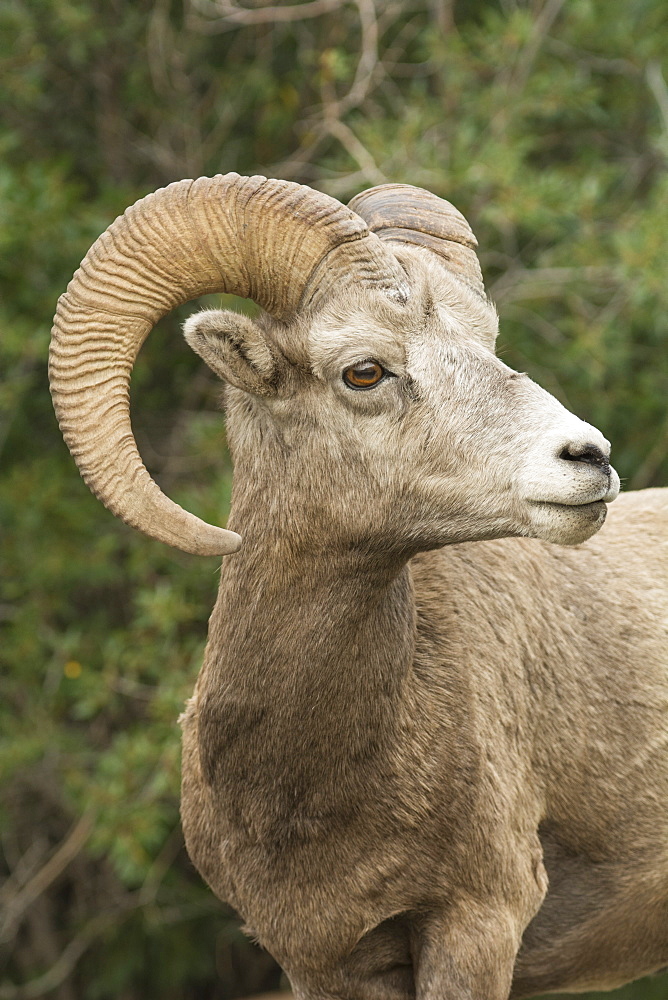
(364, 375)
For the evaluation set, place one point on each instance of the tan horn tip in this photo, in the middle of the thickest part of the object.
(182, 530)
(219, 542)
(202, 540)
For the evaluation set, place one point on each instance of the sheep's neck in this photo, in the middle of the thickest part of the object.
(306, 678)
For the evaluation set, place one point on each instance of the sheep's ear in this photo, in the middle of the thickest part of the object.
(235, 348)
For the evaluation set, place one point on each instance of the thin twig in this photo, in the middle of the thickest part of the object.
(657, 85)
(216, 16)
(160, 866)
(544, 21)
(443, 13)
(550, 333)
(67, 959)
(617, 67)
(357, 151)
(526, 284)
(368, 60)
(49, 872)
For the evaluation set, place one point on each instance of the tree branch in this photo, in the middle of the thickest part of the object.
(218, 15)
(49, 872)
(657, 85)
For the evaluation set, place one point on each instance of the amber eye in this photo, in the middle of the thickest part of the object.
(364, 375)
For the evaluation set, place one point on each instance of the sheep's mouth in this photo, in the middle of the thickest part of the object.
(593, 509)
(566, 523)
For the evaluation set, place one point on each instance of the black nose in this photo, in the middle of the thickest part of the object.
(590, 454)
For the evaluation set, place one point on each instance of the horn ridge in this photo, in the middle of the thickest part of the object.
(402, 213)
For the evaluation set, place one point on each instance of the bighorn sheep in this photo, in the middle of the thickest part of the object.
(426, 754)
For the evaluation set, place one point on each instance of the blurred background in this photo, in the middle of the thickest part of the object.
(544, 121)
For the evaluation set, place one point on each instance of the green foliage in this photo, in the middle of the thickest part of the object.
(546, 124)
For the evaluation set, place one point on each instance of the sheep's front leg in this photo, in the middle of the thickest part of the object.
(466, 953)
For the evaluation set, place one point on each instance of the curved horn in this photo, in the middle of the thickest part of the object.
(249, 236)
(401, 213)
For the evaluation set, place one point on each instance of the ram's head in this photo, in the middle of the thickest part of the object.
(372, 375)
